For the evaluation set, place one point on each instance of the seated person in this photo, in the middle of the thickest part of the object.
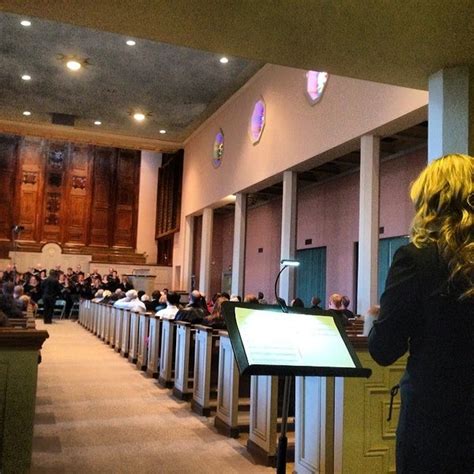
(22, 301)
(345, 303)
(372, 315)
(297, 303)
(194, 312)
(3, 319)
(172, 306)
(98, 296)
(131, 302)
(316, 303)
(216, 319)
(337, 309)
(154, 301)
(7, 303)
(261, 298)
(250, 298)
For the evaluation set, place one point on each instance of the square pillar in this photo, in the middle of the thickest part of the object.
(288, 234)
(238, 255)
(188, 253)
(451, 112)
(206, 251)
(368, 223)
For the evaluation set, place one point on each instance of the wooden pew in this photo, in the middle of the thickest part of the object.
(133, 341)
(118, 329)
(167, 353)
(206, 360)
(154, 345)
(113, 322)
(184, 360)
(143, 340)
(125, 333)
(95, 317)
(341, 424)
(233, 391)
(18, 379)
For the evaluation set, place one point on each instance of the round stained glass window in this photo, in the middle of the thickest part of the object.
(257, 121)
(218, 151)
(315, 84)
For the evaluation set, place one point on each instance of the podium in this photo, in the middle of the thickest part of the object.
(142, 281)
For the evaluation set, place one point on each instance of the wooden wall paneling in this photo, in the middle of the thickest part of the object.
(103, 176)
(30, 188)
(54, 208)
(8, 168)
(126, 191)
(78, 190)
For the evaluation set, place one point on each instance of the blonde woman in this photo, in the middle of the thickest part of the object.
(428, 309)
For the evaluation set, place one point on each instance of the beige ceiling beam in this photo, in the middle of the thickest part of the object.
(58, 132)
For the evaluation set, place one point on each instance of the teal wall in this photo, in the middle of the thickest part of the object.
(311, 275)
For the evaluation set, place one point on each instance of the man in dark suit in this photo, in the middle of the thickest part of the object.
(51, 288)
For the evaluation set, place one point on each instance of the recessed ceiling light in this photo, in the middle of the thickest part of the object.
(25, 23)
(97, 122)
(162, 131)
(27, 113)
(26, 77)
(139, 117)
(74, 65)
(224, 60)
(131, 43)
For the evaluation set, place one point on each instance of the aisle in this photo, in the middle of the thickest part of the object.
(96, 413)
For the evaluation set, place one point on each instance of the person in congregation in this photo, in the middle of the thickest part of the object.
(195, 310)
(7, 303)
(372, 315)
(172, 306)
(22, 301)
(250, 298)
(427, 309)
(297, 303)
(216, 318)
(345, 304)
(316, 303)
(336, 308)
(131, 302)
(261, 298)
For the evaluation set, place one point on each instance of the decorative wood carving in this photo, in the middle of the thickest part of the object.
(72, 194)
(29, 177)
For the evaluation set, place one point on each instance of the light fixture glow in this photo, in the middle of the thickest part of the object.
(25, 23)
(131, 43)
(139, 117)
(224, 60)
(97, 122)
(290, 263)
(162, 131)
(26, 77)
(74, 65)
(27, 113)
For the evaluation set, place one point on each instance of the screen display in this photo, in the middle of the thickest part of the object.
(290, 339)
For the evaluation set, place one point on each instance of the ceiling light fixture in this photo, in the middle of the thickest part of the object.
(162, 131)
(139, 117)
(97, 122)
(224, 60)
(25, 23)
(27, 113)
(26, 77)
(74, 65)
(131, 43)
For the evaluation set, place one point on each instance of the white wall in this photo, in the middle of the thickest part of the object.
(146, 243)
(295, 132)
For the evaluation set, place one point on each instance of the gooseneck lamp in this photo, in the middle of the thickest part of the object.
(283, 439)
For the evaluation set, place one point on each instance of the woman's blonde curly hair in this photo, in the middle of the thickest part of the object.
(443, 195)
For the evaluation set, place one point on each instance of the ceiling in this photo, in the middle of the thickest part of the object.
(394, 42)
(176, 87)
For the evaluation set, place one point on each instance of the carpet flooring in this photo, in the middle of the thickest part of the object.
(96, 413)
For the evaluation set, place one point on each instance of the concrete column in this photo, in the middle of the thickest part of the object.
(451, 112)
(188, 253)
(150, 163)
(238, 255)
(206, 251)
(368, 223)
(288, 234)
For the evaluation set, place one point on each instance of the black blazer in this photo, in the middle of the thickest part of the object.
(420, 313)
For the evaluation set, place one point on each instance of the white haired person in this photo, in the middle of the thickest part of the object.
(131, 302)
